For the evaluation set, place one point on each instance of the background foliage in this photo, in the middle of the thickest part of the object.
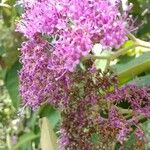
(19, 126)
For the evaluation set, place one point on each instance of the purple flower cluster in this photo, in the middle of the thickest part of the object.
(117, 121)
(59, 33)
(137, 97)
(74, 25)
(140, 135)
(38, 82)
(88, 115)
(81, 119)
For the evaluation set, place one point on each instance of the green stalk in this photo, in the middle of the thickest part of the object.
(123, 51)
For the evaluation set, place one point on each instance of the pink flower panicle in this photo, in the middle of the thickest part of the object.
(37, 80)
(59, 33)
(76, 25)
(67, 30)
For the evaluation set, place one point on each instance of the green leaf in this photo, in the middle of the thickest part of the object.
(132, 68)
(48, 137)
(52, 114)
(130, 142)
(24, 139)
(142, 81)
(146, 127)
(2, 50)
(95, 138)
(11, 82)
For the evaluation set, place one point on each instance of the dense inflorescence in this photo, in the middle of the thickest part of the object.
(74, 25)
(38, 81)
(89, 114)
(59, 34)
(137, 103)
(82, 116)
(137, 98)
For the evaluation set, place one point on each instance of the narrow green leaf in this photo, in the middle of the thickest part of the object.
(25, 138)
(132, 68)
(11, 82)
(48, 137)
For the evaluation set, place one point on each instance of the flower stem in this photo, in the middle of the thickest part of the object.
(124, 111)
(95, 57)
(111, 57)
(143, 43)
(131, 36)
(138, 41)
(122, 51)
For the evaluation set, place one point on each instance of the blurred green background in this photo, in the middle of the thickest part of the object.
(19, 126)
